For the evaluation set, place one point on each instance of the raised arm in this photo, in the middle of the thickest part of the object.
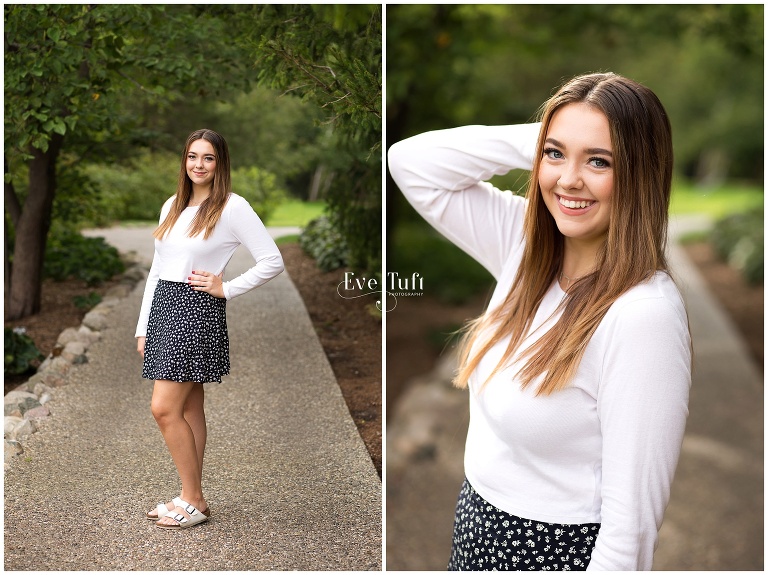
(483, 221)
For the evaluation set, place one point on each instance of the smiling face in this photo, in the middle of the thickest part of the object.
(576, 173)
(201, 163)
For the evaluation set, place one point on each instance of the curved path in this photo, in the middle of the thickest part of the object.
(289, 481)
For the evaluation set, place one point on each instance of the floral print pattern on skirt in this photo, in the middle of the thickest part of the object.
(485, 538)
(186, 335)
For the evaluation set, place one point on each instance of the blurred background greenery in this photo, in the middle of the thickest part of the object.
(451, 65)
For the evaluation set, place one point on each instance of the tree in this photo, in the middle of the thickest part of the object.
(66, 67)
(331, 54)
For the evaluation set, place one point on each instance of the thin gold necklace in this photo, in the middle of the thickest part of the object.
(562, 275)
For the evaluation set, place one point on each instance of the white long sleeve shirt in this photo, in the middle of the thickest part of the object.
(604, 449)
(177, 255)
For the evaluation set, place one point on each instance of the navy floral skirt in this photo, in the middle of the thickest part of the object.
(186, 335)
(485, 538)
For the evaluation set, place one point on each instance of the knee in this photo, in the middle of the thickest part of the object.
(163, 412)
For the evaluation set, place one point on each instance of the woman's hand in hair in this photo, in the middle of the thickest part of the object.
(207, 282)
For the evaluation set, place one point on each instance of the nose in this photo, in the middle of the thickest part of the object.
(570, 177)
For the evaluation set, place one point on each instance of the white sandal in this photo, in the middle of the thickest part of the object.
(162, 509)
(192, 516)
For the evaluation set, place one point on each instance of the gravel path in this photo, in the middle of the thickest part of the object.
(288, 479)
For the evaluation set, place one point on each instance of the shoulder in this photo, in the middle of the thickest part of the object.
(654, 304)
(237, 206)
(167, 205)
(235, 201)
(239, 212)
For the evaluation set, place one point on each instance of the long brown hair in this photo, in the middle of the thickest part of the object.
(641, 137)
(210, 210)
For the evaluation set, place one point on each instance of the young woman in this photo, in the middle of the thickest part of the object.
(580, 368)
(182, 328)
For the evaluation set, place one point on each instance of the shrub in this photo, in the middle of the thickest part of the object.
(71, 255)
(260, 188)
(137, 191)
(21, 354)
(416, 247)
(320, 240)
(86, 301)
(738, 239)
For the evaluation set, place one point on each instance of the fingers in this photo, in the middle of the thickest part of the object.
(204, 281)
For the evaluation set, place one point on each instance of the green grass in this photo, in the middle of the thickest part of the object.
(717, 201)
(291, 239)
(295, 213)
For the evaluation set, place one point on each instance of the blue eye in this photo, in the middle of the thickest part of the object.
(553, 154)
(600, 163)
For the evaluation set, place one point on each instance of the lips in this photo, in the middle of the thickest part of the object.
(574, 204)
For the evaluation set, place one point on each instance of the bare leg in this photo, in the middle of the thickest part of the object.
(169, 399)
(194, 413)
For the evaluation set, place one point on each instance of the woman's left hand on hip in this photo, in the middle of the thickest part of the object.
(207, 282)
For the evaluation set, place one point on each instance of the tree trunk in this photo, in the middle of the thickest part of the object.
(314, 186)
(32, 232)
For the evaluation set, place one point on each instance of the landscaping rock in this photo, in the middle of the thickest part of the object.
(12, 448)
(119, 291)
(42, 389)
(109, 302)
(95, 320)
(68, 336)
(135, 273)
(9, 423)
(40, 412)
(90, 335)
(74, 353)
(33, 381)
(45, 398)
(52, 379)
(23, 430)
(75, 348)
(18, 409)
(59, 365)
(17, 394)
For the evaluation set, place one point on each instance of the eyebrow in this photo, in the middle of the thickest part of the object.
(601, 151)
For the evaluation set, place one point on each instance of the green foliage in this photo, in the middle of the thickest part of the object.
(71, 255)
(451, 65)
(138, 189)
(739, 240)
(418, 248)
(66, 65)
(324, 243)
(86, 301)
(21, 354)
(331, 55)
(275, 132)
(259, 187)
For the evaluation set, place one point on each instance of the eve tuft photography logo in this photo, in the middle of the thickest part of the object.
(410, 286)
